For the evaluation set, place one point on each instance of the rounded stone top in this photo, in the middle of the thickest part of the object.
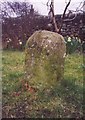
(46, 36)
(46, 40)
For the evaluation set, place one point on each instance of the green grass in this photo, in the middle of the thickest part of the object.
(65, 101)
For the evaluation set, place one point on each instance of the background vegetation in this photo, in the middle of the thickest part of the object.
(20, 20)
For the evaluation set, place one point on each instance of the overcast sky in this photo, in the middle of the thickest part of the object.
(40, 5)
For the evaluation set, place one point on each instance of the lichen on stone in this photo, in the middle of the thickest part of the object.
(44, 59)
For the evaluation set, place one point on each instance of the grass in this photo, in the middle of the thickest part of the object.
(65, 101)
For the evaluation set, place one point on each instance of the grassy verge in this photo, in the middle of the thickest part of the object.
(64, 102)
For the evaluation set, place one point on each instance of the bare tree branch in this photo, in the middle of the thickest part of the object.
(64, 14)
(79, 6)
(66, 20)
(66, 9)
(47, 3)
(11, 6)
(53, 17)
(54, 21)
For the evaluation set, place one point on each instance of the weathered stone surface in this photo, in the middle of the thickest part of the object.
(44, 59)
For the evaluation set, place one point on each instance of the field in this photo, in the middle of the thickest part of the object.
(18, 101)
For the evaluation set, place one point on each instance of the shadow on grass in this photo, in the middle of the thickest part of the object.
(70, 96)
(70, 92)
(67, 90)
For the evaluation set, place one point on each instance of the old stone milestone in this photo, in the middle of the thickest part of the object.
(44, 59)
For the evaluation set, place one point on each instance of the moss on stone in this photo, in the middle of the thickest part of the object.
(44, 59)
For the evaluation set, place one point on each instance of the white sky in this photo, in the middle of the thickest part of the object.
(40, 5)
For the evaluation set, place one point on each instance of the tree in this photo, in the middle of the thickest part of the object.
(20, 20)
(53, 16)
(63, 19)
